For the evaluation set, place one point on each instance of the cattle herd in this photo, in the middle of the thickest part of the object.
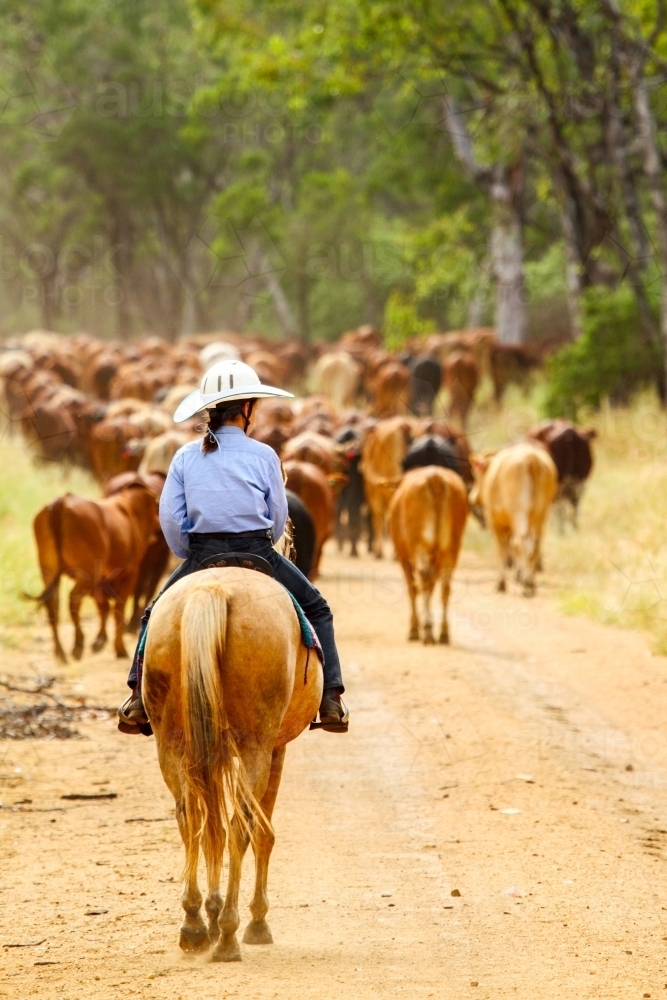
(366, 447)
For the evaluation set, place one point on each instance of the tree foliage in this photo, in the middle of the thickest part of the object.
(299, 168)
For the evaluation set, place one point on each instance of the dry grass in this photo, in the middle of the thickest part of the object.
(613, 569)
(25, 489)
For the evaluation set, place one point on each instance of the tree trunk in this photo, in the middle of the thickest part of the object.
(280, 302)
(507, 257)
(503, 186)
(653, 172)
(303, 301)
(573, 272)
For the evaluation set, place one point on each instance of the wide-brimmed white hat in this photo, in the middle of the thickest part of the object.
(225, 381)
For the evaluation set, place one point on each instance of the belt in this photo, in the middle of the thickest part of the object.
(228, 535)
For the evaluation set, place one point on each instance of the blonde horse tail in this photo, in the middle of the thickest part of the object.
(217, 788)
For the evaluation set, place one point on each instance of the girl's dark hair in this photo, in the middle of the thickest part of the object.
(221, 415)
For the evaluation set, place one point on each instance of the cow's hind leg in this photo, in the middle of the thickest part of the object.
(425, 585)
(102, 602)
(194, 933)
(257, 931)
(122, 590)
(77, 594)
(504, 555)
(413, 635)
(446, 589)
(52, 605)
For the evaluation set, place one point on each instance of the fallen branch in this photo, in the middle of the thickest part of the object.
(26, 944)
(96, 795)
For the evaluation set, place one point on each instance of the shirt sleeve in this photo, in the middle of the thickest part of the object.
(173, 510)
(276, 499)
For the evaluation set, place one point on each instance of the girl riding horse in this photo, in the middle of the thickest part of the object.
(226, 494)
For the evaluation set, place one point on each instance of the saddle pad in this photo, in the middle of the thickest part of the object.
(308, 633)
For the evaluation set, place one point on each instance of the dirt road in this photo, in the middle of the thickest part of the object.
(492, 826)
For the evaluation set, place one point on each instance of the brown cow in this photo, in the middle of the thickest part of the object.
(101, 545)
(388, 389)
(571, 451)
(427, 517)
(109, 448)
(516, 487)
(336, 375)
(461, 378)
(510, 363)
(381, 465)
(310, 483)
(309, 446)
(156, 559)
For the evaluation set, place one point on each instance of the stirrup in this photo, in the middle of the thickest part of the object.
(331, 725)
(132, 720)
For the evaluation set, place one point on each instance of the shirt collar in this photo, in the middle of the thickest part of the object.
(230, 429)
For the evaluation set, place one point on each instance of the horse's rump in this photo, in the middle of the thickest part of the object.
(225, 672)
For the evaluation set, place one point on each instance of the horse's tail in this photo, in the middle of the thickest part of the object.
(217, 788)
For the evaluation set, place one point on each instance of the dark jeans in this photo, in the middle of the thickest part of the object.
(315, 608)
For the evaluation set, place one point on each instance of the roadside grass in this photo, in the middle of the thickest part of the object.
(614, 568)
(24, 489)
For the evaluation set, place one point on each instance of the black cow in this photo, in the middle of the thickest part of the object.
(570, 448)
(433, 450)
(303, 532)
(352, 498)
(425, 382)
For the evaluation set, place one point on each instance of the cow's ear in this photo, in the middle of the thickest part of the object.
(480, 462)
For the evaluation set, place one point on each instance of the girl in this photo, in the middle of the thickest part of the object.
(226, 494)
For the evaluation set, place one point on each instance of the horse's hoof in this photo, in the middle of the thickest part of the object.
(98, 644)
(257, 932)
(77, 652)
(121, 654)
(194, 939)
(227, 953)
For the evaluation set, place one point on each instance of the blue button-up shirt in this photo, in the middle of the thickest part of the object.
(238, 487)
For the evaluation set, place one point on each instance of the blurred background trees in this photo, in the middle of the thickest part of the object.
(298, 168)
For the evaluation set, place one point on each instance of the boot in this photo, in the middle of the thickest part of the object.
(132, 718)
(334, 715)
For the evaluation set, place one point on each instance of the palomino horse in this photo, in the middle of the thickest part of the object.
(227, 684)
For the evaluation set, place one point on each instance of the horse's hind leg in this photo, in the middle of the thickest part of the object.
(257, 931)
(213, 854)
(194, 934)
(257, 767)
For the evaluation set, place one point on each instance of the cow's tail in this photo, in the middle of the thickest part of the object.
(48, 536)
(438, 489)
(217, 790)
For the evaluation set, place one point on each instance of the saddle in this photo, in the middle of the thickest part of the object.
(244, 560)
